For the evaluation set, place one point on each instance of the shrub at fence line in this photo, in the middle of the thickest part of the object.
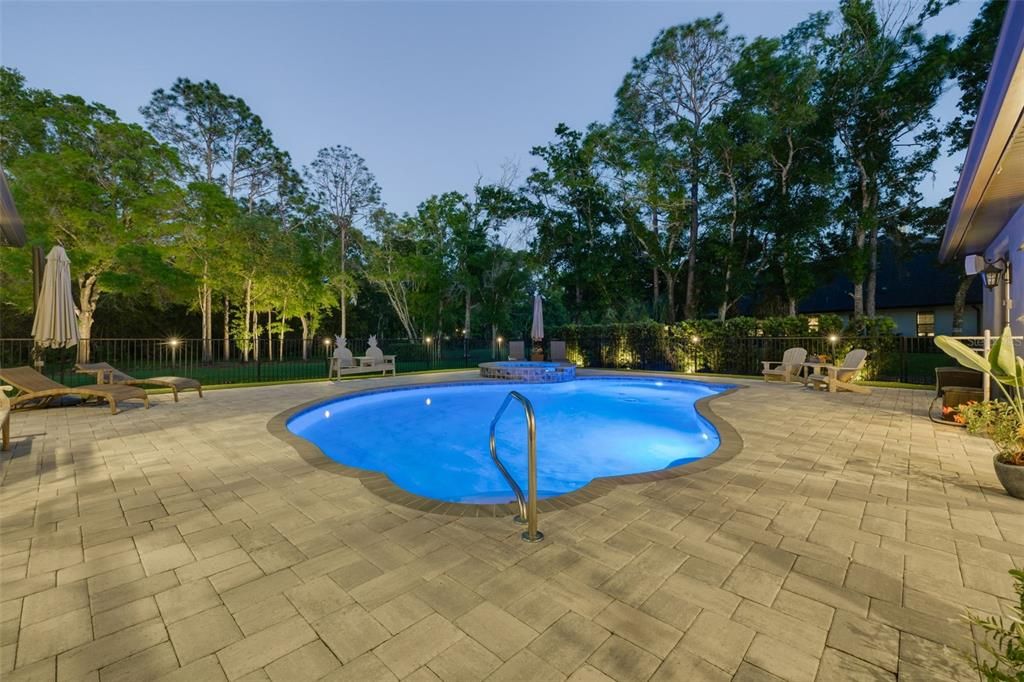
(736, 346)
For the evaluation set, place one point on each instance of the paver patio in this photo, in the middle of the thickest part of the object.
(186, 541)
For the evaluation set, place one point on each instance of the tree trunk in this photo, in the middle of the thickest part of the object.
(670, 295)
(305, 336)
(227, 328)
(343, 239)
(790, 299)
(206, 312)
(960, 304)
(270, 336)
(869, 295)
(690, 310)
(724, 307)
(208, 343)
(247, 341)
(858, 301)
(88, 297)
(860, 237)
(255, 336)
(656, 294)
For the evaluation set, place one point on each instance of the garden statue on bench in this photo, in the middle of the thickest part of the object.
(341, 359)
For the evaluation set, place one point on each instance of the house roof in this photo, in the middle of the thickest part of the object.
(912, 280)
(991, 186)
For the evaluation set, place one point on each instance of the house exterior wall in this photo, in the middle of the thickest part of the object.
(906, 319)
(1007, 245)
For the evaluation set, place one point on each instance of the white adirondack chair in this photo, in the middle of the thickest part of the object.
(787, 370)
(841, 378)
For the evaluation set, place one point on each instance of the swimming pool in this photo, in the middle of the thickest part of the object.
(433, 440)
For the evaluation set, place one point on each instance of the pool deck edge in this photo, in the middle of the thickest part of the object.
(730, 445)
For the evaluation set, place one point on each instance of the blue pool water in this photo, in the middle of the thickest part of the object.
(433, 440)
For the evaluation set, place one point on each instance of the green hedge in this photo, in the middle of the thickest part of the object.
(736, 346)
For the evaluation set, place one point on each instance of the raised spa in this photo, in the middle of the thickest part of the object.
(529, 371)
(433, 440)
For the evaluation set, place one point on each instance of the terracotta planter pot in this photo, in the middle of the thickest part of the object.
(1011, 476)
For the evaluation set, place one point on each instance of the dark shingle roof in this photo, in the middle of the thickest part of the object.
(905, 280)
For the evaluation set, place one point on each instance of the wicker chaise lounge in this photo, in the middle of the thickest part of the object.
(108, 374)
(33, 386)
(955, 386)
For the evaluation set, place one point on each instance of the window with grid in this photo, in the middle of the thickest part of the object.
(926, 323)
(812, 323)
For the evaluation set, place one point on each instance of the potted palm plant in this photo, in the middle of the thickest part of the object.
(1003, 421)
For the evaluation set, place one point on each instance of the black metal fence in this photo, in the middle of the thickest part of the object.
(215, 361)
(890, 358)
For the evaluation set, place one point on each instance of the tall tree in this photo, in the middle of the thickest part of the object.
(883, 76)
(971, 61)
(473, 239)
(684, 80)
(347, 193)
(575, 221)
(646, 174)
(101, 187)
(738, 171)
(222, 142)
(392, 266)
(778, 84)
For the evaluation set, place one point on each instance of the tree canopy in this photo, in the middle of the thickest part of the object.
(733, 169)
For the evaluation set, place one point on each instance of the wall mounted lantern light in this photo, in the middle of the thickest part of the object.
(993, 271)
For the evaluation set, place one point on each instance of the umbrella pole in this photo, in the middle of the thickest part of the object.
(37, 275)
(37, 357)
(38, 263)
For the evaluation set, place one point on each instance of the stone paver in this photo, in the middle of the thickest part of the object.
(496, 629)
(203, 634)
(186, 542)
(418, 644)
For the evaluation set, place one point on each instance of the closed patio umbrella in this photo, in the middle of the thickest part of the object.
(55, 325)
(537, 330)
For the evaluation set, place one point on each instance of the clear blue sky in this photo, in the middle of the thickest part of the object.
(432, 94)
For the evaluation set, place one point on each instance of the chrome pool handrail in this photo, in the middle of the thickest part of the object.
(527, 508)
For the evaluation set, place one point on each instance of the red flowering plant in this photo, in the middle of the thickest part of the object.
(954, 413)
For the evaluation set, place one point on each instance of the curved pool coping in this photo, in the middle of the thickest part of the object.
(730, 445)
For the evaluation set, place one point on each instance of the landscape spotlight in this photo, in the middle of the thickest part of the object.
(173, 342)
